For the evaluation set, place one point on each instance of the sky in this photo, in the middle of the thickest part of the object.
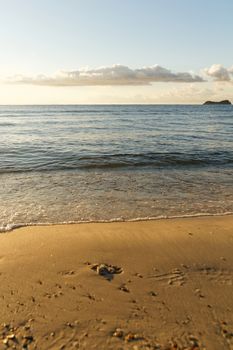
(115, 51)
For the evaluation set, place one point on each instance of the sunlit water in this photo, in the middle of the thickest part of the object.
(103, 163)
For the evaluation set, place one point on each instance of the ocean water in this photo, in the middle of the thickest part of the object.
(114, 162)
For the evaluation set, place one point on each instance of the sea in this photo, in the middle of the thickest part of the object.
(104, 163)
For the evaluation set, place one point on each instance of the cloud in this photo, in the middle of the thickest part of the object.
(230, 70)
(113, 75)
(219, 73)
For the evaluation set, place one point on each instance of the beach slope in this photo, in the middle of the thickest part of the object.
(163, 284)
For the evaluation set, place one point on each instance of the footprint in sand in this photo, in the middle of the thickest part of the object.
(185, 341)
(226, 332)
(216, 275)
(67, 273)
(53, 295)
(176, 277)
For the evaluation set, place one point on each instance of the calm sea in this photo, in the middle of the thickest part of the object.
(114, 162)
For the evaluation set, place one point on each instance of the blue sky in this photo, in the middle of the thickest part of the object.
(47, 36)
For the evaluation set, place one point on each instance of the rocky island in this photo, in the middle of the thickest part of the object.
(224, 102)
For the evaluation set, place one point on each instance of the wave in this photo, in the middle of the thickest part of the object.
(72, 161)
(11, 227)
(6, 124)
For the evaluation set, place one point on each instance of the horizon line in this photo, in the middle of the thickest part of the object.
(99, 104)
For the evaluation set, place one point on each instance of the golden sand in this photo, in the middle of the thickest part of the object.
(165, 284)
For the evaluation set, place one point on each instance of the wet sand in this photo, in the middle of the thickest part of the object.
(164, 284)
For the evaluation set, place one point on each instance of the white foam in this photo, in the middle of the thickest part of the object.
(10, 227)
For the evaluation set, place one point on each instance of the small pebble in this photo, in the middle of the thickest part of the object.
(153, 294)
(68, 324)
(118, 333)
(130, 337)
(29, 338)
(124, 289)
(11, 337)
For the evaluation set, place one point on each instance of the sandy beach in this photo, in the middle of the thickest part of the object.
(164, 284)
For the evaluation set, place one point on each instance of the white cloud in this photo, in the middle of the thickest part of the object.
(113, 75)
(231, 69)
(219, 73)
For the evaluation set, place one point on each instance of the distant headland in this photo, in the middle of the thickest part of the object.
(224, 102)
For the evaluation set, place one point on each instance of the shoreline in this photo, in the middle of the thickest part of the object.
(13, 227)
(169, 285)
